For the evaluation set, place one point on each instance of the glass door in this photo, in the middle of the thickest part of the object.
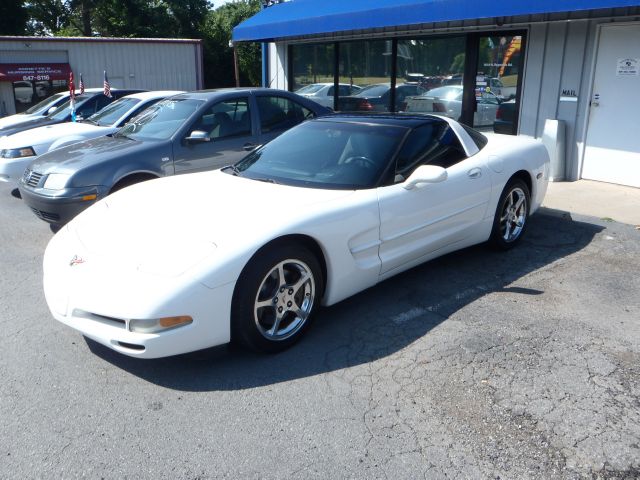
(498, 82)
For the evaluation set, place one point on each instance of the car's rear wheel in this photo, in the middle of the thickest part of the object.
(512, 214)
(275, 298)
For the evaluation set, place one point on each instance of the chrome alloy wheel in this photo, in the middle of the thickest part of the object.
(513, 215)
(284, 300)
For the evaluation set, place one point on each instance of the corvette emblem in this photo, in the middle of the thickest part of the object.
(76, 260)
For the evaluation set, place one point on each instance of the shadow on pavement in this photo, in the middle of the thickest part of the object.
(375, 323)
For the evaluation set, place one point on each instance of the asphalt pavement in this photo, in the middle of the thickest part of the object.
(514, 365)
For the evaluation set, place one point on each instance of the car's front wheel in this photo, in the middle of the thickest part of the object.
(512, 214)
(275, 297)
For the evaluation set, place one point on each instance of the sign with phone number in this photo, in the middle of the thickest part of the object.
(32, 72)
(31, 78)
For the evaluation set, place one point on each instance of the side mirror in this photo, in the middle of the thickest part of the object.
(51, 110)
(425, 174)
(198, 136)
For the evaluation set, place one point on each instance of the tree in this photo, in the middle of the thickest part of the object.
(13, 18)
(218, 55)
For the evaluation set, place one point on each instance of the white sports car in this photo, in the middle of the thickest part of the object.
(329, 208)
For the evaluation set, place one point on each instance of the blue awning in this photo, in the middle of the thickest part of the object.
(315, 17)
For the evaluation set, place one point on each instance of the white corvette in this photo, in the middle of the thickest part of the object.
(329, 208)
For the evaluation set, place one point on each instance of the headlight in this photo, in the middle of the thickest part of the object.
(56, 181)
(17, 152)
(159, 324)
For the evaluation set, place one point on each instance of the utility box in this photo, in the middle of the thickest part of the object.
(553, 137)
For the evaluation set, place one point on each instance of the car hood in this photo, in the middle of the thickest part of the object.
(80, 155)
(16, 119)
(48, 134)
(165, 226)
(32, 122)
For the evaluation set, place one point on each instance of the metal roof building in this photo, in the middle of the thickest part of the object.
(34, 67)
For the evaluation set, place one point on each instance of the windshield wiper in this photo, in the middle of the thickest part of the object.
(88, 120)
(234, 170)
(266, 179)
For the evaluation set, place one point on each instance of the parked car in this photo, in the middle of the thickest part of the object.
(186, 133)
(91, 101)
(326, 210)
(323, 93)
(448, 101)
(44, 107)
(505, 118)
(377, 97)
(20, 149)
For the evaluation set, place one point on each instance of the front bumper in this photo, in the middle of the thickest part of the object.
(59, 206)
(11, 169)
(98, 296)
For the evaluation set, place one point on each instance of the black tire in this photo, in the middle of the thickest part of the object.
(293, 301)
(507, 216)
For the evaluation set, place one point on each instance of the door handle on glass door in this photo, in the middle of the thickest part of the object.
(474, 173)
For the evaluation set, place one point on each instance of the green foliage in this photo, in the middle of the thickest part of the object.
(218, 55)
(146, 19)
(13, 17)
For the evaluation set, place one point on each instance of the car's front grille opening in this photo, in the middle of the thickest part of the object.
(52, 217)
(32, 178)
(131, 346)
(113, 322)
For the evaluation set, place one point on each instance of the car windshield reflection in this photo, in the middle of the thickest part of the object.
(325, 154)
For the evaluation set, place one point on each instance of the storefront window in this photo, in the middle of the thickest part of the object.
(436, 65)
(499, 67)
(365, 71)
(29, 93)
(429, 76)
(313, 72)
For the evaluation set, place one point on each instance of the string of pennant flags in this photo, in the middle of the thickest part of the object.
(72, 91)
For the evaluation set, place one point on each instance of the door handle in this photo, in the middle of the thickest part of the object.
(474, 173)
(249, 147)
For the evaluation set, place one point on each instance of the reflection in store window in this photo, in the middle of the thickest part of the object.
(499, 64)
(27, 94)
(313, 72)
(366, 67)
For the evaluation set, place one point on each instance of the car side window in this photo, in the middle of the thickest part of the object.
(345, 90)
(279, 113)
(88, 108)
(230, 118)
(434, 143)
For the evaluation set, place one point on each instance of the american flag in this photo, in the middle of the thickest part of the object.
(81, 85)
(107, 86)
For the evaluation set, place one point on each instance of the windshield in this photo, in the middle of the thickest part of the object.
(44, 104)
(373, 91)
(313, 88)
(162, 120)
(112, 113)
(447, 93)
(64, 110)
(325, 154)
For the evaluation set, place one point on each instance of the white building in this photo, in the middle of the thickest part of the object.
(34, 67)
(577, 61)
